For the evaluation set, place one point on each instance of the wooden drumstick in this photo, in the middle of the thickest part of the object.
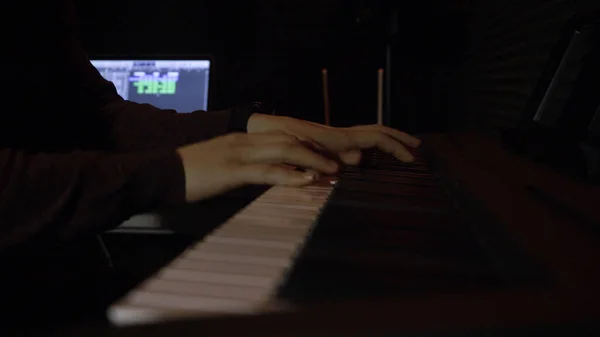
(380, 97)
(326, 97)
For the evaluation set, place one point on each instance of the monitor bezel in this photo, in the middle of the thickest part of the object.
(169, 57)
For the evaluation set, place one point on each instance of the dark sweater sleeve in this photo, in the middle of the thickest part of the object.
(46, 198)
(52, 197)
(141, 127)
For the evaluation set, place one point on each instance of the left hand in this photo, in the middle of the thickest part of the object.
(346, 143)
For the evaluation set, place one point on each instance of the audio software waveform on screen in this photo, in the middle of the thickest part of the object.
(177, 84)
(155, 83)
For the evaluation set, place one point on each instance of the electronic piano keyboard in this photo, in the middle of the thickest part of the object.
(328, 239)
(237, 267)
(451, 241)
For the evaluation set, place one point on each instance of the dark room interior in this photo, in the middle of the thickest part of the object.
(492, 231)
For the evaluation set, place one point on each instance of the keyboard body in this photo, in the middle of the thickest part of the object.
(468, 238)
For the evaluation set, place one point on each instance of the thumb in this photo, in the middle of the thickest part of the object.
(275, 175)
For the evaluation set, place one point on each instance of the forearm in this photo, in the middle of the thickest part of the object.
(52, 197)
(139, 127)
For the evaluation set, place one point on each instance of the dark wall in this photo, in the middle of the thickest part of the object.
(275, 50)
(510, 45)
(489, 63)
(513, 49)
(457, 64)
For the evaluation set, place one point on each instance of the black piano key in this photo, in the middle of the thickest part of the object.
(397, 261)
(386, 202)
(392, 189)
(392, 170)
(405, 242)
(351, 229)
(384, 263)
(354, 238)
(319, 277)
(388, 228)
(384, 160)
(400, 181)
(342, 216)
(399, 202)
(406, 169)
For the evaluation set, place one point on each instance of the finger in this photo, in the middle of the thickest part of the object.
(284, 138)
(289, 167)
(274, 175)
(271, 137)
(316, 174)
(385, 143)
(329, 154)
(352, 157)
(313, 145)
(291, 154)
(396, 134)
(263, 138)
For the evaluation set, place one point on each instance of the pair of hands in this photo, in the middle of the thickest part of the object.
(259, 157)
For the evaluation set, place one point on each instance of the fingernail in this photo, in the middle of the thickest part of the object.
(309, 176)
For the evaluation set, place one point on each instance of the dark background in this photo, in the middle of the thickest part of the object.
(457, 63)
(275, 50)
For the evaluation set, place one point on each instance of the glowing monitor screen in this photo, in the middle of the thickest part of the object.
(181, 85)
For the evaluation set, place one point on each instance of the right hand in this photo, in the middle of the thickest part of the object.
(224, 163)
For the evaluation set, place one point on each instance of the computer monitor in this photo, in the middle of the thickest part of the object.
(179, 84)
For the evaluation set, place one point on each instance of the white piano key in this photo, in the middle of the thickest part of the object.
(236, 233)
(312, 191)
(216, 278)
(252, 294)
(228, 267)
(131, 315)
(226, 248)
(265, 213)
(284, 207)
(277, 222)
(295, 199)
(258, 232)
(296, 203)
(299, 216)
(185, 302)
(240, 258)
(267, 230)
(235, 269)
(309, 202)
(252, 242)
